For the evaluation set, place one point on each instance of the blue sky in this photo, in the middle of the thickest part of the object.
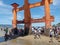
(6, 15)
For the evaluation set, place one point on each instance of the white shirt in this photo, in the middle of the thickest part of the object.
(51, 32)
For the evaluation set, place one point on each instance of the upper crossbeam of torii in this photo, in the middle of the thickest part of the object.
(27, 15)
(34, 5)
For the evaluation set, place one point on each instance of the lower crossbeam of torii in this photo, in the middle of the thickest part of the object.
(27, 15)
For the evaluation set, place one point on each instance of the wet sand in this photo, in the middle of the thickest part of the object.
(29, 40)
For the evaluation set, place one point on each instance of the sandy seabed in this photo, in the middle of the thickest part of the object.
(29, 40)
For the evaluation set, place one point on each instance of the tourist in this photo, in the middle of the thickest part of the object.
(57, 34)
(15, 31)
(42, 30)
(1, 29)
(6, 30)
(39, 33)
(6, 34)
(36, 34)
(10, 34)
(59, 30)
(55, 30)
(6, 37)
(32, 30)
(51, 33)
(22, 32)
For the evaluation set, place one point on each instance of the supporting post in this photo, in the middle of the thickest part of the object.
(47, 15)
(14, 23)
(27, 17)
(47, 18)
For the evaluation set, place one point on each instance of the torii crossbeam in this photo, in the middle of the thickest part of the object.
(27, 15)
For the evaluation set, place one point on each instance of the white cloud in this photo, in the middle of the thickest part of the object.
(5, 9)
(56, 2)
(1, 3)
(4, 5)
(18, 17)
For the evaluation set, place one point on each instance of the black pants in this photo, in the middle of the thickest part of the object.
(6, 37)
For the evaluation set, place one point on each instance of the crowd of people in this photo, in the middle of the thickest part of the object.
(37, 32)
(53, 32)
(12, 33)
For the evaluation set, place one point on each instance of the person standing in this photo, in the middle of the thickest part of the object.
(32, 30)
(39, 33)
(57, 33)
(51, 33)
(6, 34)
(36, 33)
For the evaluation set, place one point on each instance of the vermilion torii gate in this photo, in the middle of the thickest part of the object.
(27, 15)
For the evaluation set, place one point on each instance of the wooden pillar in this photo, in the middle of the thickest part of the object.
(47, 15)
(14, 23)
(27, 17)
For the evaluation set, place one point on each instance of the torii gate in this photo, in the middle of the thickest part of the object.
(27, 15)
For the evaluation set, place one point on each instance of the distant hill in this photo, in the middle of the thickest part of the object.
(58, 25)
